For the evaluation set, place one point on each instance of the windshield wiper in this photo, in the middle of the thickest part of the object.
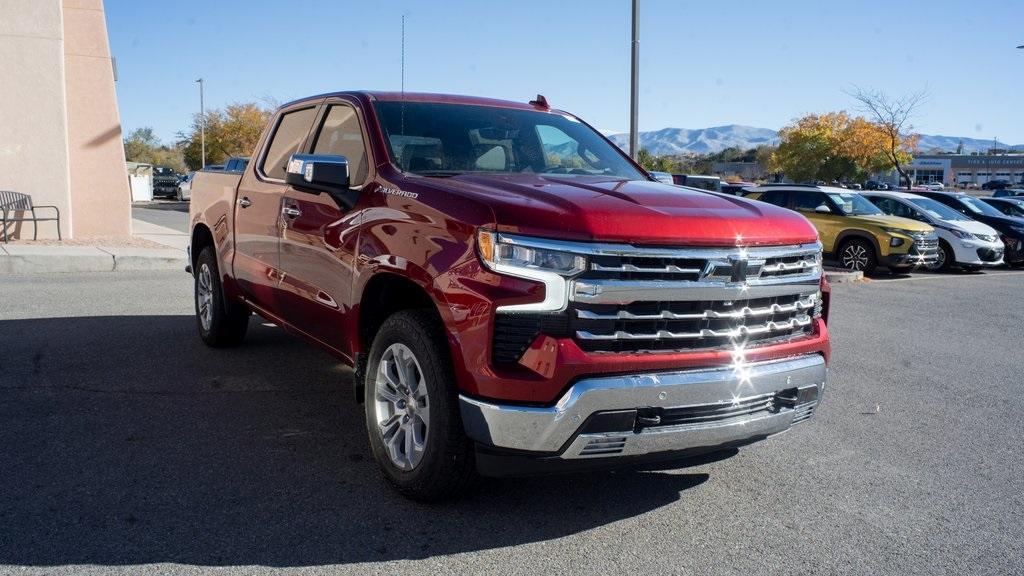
(439, 173)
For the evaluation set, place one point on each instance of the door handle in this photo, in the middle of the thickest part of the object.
(244, 202)
(291, 212)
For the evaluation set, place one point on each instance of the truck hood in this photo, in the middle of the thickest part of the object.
(892, 222)
(640, 212)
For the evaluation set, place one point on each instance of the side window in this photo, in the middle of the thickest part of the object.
(902, 210)
(776, 197)
(341, 135)
(287, 137)
(884, 204)
(807, 201)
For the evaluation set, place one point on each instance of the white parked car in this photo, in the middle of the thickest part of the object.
(963, 241)
(184, 191)
(934, 186)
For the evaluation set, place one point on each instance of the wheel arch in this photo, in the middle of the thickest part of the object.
(847, 235)
(201, 238)
(384, 294)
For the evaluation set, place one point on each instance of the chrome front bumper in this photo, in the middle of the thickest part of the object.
(642, 414)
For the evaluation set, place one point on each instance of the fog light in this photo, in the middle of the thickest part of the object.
(894, 242)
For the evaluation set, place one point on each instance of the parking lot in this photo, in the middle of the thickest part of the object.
(129, 447)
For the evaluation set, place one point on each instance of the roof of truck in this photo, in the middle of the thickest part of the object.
(426, 97)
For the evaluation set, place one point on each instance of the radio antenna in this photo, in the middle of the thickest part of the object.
(403, 76)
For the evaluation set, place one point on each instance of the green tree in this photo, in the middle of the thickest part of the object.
(142, 145)
(651, 162)
(233, 131)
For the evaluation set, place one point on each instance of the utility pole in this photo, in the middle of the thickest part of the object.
(202, 125)
(634, 84)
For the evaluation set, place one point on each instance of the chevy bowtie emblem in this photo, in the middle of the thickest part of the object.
(739, 268)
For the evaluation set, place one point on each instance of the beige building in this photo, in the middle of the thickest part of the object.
(60, 132)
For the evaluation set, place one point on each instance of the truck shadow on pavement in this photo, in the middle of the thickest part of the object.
(126, 442)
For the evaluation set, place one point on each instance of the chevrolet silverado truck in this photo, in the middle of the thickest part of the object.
(515, 295)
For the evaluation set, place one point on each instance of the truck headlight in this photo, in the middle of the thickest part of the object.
(530, 258)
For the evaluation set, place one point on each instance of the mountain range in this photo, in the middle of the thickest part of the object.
(673, 141)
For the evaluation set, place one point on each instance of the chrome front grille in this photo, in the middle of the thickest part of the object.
(655, 299)
(632, 299)
(925, 244)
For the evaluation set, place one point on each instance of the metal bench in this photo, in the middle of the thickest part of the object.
(15, 202)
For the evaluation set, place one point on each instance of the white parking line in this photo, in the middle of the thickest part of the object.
(988, 274)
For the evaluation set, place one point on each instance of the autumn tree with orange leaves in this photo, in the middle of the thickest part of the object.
(836, 146)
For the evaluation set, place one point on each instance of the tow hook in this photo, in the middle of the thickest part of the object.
(647, 417)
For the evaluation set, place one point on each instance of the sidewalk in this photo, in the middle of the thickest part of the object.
(20, 258)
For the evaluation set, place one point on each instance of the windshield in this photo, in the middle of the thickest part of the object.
(937, 210)
(979, 207)
(434, 139)
(854, 204)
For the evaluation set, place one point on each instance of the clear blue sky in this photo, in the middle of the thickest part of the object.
(702, 63)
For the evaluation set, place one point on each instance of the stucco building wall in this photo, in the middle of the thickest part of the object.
(60, 132)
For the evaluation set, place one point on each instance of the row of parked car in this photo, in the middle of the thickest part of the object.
(167, 182)
(901, 230)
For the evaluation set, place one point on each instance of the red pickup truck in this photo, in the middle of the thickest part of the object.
(515, 294)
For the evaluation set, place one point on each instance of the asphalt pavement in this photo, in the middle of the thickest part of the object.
(167, 213)
(130, 448)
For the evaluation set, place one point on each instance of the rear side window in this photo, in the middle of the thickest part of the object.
(291, 130)
(808, 201)
(777, 197)
(341, 135)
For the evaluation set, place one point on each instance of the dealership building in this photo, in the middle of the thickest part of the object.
(966, 169)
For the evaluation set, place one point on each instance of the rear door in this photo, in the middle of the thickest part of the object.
(318, 238)
(829, 225)
(258, 208)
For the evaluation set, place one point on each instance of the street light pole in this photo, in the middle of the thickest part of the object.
(634, 84)
(202, 125)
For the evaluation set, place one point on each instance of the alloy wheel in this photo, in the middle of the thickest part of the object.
(204, 296)
(939, 262)
(855, 257)
(402, 407)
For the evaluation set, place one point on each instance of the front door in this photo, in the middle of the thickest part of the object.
(318, 238)
(258, 209)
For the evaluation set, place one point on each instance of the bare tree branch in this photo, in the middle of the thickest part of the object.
(894, 116)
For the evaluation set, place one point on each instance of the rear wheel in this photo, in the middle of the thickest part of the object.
(858, 255)
(412, 410)
(221, 323)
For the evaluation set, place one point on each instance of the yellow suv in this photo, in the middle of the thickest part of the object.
(854, 231)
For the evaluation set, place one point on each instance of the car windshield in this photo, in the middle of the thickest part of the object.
(979, 207)
(442, 140)
(853, 204)
(937, 210)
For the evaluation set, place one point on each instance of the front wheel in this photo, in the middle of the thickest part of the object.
(946, 258)
(221, 323)
(412, 410)
(858, 255)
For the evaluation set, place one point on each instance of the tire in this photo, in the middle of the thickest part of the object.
(946, 260)
(221, 323)
(858, 254)
(441, 465)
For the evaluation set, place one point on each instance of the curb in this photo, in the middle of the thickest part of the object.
(843, 276)
(28, 259)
